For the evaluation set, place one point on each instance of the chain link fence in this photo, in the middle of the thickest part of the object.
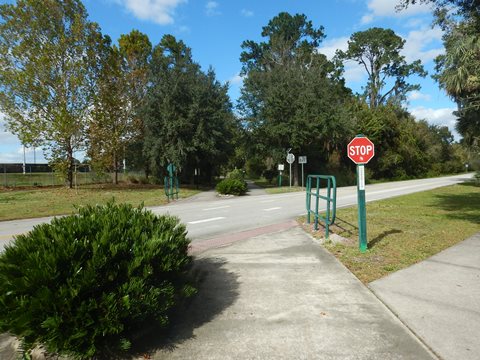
(41, 175)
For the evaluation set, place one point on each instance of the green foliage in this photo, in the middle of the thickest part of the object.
(84, 284)
(187, 113)
(458, 70)
(48, 72)
(270, 175)
(232, 186)
(292, 95)
(111, 125)
(378, 51)
(255, 166)
(237, 174)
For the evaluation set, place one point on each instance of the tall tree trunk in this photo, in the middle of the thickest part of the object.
(71, 166)
(115, 168)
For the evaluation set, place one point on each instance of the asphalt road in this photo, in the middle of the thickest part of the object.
(211, 218)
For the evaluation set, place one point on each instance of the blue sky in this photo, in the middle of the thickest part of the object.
(216, 29)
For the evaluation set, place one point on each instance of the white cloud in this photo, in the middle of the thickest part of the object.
(158, 11)
(15, 155)
(211, 8)
(235, 80)
(247, 13)
(386, 8)
(6, 137)
(353, 71)
(424, 44)
(367, 19)
(442, 116)
(417, 95)
(329, 47)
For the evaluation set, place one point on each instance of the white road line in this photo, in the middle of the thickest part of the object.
(271, 209)
(205, 220)
(217, 208)
(267, 201)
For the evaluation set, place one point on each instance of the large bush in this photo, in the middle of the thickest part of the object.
(237, 174)
(85, 284)
(231, 186)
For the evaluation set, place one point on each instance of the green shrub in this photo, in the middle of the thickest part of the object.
(236, 174)
(230, 186)
(476, 177)
(85, 284)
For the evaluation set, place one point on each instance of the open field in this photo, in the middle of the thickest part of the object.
(50, 179)
(406, 230)
(30, 203)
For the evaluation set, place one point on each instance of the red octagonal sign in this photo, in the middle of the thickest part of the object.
(361, 150)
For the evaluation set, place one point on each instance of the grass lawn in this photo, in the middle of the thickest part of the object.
(37, 202)
(405, 230)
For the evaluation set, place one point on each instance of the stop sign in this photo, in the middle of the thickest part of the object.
(361, 150)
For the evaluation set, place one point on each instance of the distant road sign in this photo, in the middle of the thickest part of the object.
(302, 159)
(281, 167)
(290, 158)
(361, 150)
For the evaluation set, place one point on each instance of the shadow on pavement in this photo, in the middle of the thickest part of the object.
(217, 290)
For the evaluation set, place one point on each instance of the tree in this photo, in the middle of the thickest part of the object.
(378, 51)
(187, 113)
(458, 70)
(48, 68)
(111, 127)
(136, 50)
(291, 94)
(446, 10)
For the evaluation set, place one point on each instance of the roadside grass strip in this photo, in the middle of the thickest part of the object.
(39, 202)
(283, 189)
(405, 230)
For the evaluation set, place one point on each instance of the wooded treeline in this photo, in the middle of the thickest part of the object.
(66, 87)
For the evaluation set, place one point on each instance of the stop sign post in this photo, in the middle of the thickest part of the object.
(361, 150)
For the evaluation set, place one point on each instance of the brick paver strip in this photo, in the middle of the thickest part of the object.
(227, 239)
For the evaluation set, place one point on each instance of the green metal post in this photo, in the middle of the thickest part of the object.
(176, 185)
(280, 179)
(316, 204)
(309, 198)
(327, 221)
(362, 212)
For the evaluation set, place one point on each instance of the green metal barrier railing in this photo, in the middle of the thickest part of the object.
(330, 197)
(171, 183)
(171, 187)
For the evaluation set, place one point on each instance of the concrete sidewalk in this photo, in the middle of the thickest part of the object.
(439, 299)
(282, 296)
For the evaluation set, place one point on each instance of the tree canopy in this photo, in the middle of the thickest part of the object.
(187, 113)
(291, 94)
(378, 50)
(458, 70)
(49, 64)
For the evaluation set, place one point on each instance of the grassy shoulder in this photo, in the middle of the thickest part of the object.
(405, 230)
(38, 202)
(273, 188)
